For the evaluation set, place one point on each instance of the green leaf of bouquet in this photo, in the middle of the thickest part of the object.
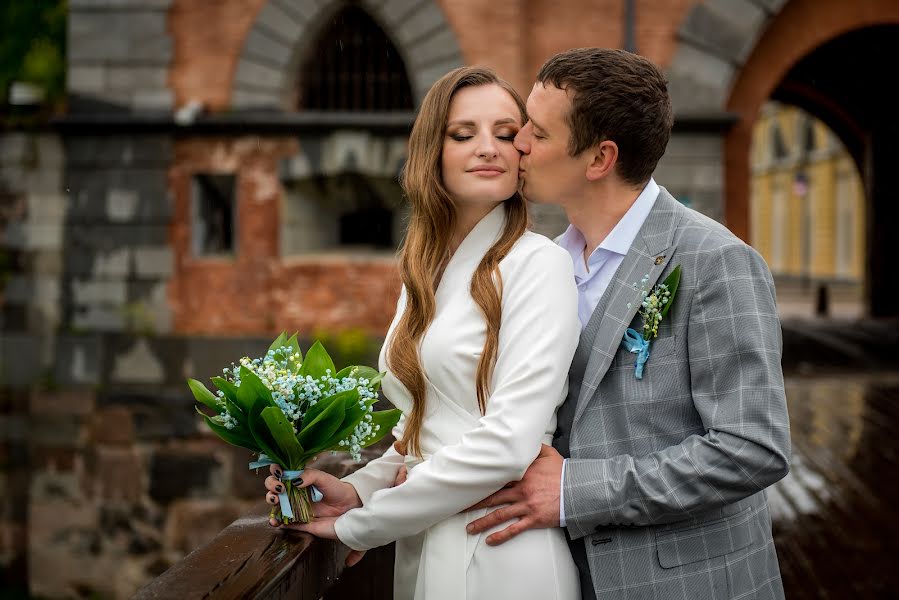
(672, 282)
(357, 371)
(205, 397)
(345, 372)
(240, 416)
(354, 414)
(375, 382)
(232, 436)
(320, 429)
(282, 431)
(317, 362)
(259, 389)
(314, 411)
(227, 387)
(387, 419)
(263, 435)
(278, 343)
(251, 388)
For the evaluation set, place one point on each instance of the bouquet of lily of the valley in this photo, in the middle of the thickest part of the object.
(288, 409)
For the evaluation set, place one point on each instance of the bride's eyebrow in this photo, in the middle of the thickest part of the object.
(472, 123)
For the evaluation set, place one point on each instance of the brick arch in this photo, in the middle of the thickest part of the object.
(268, 67)
(731, 56)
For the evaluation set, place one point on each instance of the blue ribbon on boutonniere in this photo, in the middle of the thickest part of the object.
(634, 342)
(286, 510)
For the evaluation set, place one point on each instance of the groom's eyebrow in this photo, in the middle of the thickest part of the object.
(536, 124)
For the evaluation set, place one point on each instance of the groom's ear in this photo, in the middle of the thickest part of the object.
(603, 158)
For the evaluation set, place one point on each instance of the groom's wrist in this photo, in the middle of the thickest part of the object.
(562, 495)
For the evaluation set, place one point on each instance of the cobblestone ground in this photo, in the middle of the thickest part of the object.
(836, 515)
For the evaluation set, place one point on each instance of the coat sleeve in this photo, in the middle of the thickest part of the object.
(538, 336)
(736, 386)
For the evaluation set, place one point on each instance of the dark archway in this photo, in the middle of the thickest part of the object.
(846, 85)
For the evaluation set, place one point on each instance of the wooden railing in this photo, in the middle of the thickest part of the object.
(249, 560)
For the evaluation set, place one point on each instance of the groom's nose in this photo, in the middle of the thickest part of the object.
(522, 140)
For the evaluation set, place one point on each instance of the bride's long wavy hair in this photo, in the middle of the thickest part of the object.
(425, 249)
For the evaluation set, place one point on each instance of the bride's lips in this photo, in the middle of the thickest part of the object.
(487, 170)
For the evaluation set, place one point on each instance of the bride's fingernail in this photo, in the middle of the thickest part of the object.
(279, 488)
(278, 473)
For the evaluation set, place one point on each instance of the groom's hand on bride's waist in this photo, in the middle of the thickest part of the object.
(533, 501)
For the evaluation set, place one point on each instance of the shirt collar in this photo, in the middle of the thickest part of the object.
(625, 231)
(623, 234)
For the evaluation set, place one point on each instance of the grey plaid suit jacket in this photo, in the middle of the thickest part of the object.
(664, 486)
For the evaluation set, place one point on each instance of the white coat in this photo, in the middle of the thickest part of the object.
(467, 456)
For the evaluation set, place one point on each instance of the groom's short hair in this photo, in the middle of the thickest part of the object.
(617, 96)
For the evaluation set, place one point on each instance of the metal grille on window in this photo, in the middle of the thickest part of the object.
(213, 214)
(354, 67)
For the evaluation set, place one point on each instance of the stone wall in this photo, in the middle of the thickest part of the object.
(32, 210)
(118, 55)
(118, 259)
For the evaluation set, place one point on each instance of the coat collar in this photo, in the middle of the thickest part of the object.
(648, 256)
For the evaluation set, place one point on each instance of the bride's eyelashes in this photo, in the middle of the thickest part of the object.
(465, 138)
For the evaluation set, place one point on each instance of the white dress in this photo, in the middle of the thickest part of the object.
(466, 456)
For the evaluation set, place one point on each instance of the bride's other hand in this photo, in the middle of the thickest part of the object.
(401, 474)
(339, 496)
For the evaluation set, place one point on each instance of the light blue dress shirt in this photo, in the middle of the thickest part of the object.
(594, 276)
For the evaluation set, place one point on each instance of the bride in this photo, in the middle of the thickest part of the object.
(477, 359)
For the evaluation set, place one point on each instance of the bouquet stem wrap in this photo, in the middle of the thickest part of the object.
(292, 497)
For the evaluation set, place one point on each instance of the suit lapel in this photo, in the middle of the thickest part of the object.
(649, 255)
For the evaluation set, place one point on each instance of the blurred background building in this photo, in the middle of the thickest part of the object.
(182, 179)
(808, 213)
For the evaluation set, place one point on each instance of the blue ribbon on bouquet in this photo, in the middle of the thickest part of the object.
(635, 343)
(286, 510)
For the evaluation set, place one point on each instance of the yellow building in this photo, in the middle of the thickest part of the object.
(808, 205)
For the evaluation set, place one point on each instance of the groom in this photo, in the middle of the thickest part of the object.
(658, 479)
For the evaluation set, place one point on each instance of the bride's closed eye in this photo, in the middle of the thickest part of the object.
(463, 138)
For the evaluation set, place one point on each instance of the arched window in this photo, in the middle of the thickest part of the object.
(779, 149)
(809, 144)
(354, 66)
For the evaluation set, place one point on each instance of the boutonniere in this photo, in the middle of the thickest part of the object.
(655, 306)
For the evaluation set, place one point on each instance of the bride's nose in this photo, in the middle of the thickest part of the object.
(487, 148)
